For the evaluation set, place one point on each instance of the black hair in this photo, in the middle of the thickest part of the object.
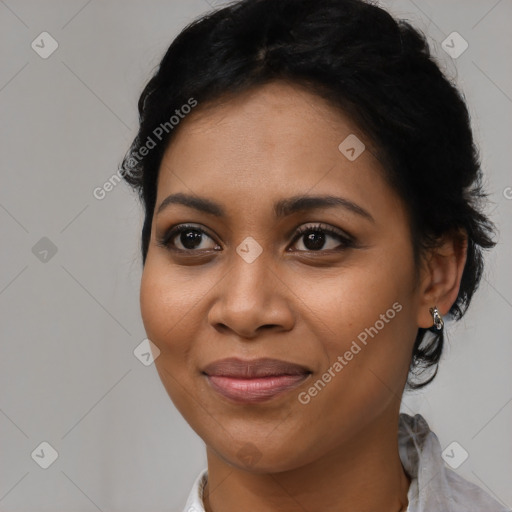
(378, 70)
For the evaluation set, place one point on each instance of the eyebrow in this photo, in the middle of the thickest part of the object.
(282, 208)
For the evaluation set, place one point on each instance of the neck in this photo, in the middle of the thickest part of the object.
(363, 474)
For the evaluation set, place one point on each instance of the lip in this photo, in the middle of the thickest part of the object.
(252, 381)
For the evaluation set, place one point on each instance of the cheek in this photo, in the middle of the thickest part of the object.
(167, 305)
(168, 300)
(351, 300)
(365, 316)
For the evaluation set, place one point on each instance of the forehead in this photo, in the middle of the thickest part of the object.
(277, 117)
(273, 141)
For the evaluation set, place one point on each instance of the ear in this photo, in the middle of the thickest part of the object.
(441, 274)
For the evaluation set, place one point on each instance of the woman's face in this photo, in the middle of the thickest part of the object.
(335, 305)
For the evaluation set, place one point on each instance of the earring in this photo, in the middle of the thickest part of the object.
(438, 319)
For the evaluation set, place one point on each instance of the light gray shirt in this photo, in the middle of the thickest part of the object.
(434, 486)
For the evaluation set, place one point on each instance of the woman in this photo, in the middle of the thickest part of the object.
(311, 193)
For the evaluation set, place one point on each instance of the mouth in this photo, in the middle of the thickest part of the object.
(252, 381)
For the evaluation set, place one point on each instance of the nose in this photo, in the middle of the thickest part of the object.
(251, 299)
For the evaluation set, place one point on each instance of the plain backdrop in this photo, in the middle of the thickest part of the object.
(70, 263)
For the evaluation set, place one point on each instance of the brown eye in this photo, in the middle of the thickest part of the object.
(318, 238)
(188, 238)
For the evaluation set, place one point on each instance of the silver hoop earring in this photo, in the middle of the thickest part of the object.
(438, 320)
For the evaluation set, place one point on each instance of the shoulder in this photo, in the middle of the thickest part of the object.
(434, 486)
(468, 497)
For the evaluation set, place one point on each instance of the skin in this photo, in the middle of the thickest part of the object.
(339, 451)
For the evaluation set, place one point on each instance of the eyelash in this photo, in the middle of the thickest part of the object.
(346, 241)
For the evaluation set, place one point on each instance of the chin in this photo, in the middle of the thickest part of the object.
(258, 453)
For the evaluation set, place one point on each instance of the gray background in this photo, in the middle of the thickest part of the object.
(71, 321)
